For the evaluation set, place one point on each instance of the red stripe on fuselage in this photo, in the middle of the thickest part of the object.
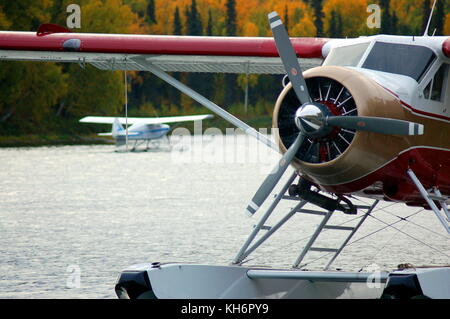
(432, 115)
(437, 116)
(432, 167)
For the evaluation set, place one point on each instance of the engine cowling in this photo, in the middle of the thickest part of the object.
(343, 156)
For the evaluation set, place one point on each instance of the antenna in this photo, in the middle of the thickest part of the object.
(126, 104)
(429, 19)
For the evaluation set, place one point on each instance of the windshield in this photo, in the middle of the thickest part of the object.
(409, 60)
(346, 56)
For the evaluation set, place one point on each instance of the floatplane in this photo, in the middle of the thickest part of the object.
(370, 117)
(150, 130)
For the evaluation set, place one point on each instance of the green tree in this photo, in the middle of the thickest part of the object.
(177, 27)
(318, 16)
(151, 18)
(140, 7)
(209, 27)
(394, 23)
(286, 17)
(231, 26)
(58, 11)
(194, 22)
(29, 91)
(438, 21)
(425, 14)
(386, 18)
(336, 27)
(94, 92)
(27, 15)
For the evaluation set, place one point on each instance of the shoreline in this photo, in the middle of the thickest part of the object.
(55, 139)
(52, 140)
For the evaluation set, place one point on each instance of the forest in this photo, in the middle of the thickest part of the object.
(44, 101)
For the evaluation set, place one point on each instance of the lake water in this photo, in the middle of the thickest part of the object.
(91, 211)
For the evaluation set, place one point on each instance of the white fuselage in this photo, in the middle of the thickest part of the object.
(142, 131)
(423, 95)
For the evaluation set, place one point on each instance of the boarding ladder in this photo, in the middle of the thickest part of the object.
(325, 226)
(432, 196)
(253, 243)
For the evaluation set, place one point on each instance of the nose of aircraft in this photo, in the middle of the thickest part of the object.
(446, 47)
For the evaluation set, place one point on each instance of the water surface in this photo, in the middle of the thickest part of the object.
(99, 211)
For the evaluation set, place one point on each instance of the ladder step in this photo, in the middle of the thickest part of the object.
(328, 250)
(291, 198)
(338, 227)
(363, 206)
(313, 212)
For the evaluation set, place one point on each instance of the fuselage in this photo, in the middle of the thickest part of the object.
(142, 131)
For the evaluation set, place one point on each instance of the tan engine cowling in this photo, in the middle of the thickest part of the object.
(343, 156)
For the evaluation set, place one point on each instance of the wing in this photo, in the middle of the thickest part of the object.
(160, 54)
(144, 120)
(118, 134)
(248, 55)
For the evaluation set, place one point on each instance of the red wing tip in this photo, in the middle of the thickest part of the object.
(48, 28)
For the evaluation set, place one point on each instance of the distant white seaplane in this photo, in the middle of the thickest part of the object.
(143, 129)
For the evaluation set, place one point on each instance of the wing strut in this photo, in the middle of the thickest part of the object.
(206, 103)
(431, 198)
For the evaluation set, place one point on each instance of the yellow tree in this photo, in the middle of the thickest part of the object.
(354, 16)
(4, 22)
(249, 29)
(300, 16)
(108, 16)
(254, 12)
(447, 25)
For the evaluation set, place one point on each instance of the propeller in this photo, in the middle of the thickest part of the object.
(376, 125)
(315, 119)
(289, 58)
(272, 179)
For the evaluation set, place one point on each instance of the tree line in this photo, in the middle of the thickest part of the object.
(51, 97)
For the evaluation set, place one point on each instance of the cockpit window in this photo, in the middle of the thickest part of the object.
(435, 90)
(347, 56)
(409, 60)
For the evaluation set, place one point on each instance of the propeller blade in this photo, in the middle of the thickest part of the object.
(376, 125)
(272, 179)
(289, 58)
